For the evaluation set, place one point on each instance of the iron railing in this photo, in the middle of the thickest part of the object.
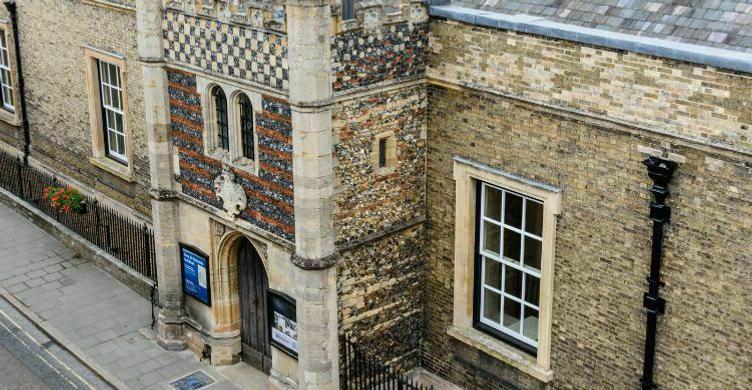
(118, 235)
(359, 371)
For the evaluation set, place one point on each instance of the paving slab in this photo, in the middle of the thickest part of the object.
(89, 312)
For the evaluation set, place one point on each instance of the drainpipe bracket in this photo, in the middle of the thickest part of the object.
(654, 305)
(660, 213)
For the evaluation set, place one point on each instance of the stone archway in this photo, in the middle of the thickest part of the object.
(225, 289)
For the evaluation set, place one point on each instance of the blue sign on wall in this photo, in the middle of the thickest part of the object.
(195, 267)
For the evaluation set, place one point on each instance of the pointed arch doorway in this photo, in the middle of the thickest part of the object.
(254, 323)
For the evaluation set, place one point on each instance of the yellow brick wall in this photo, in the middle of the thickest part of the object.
(53, 34)
(687, 100)
(602, 248)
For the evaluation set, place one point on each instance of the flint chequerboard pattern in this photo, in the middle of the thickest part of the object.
(396, 52)
(270, 194)
(226, 49)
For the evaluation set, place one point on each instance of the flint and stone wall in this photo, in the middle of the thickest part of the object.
(380, 280)
(394, 52)
(380, 286)
(602, 252)
(270, 194)
(226, 49)
(367, 202)
(57, 98)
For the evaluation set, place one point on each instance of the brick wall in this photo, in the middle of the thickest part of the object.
(12, 135)
(703, 103)
(361, 58)
(602, 248)
(270, 194)
(53, 34)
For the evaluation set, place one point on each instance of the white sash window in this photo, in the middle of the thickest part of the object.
(111, 94)
(6, 85)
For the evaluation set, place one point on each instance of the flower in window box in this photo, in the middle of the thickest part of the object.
(64, 199)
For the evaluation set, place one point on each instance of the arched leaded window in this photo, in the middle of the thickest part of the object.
(220, 111)
(246, 126)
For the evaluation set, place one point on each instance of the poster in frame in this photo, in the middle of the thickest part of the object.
(283, 328)
(194, 267)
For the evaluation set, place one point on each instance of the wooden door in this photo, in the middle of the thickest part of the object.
(254, 324)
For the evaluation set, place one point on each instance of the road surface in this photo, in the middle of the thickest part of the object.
(30, 360)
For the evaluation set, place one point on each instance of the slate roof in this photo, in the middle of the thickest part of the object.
(725, 24)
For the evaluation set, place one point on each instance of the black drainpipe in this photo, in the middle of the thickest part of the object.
(660, 171)
(11, 6)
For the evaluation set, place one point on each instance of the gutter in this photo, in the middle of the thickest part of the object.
(536, 25)
(11, 6)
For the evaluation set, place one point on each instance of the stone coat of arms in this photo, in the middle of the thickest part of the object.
(230, 193)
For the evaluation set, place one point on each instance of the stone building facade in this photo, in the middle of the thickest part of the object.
(381, 171)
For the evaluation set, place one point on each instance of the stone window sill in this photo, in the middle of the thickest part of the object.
(502, 351)
(385, 171)
(241, 163)
(9, 117)
(119, 170)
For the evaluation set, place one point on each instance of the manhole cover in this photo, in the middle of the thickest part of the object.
(192, 381)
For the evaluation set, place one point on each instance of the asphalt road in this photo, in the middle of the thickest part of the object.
(30, 360)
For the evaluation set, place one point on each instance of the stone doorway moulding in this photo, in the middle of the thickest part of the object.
(224, 271)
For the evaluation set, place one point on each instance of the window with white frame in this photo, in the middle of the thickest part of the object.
(111, 101)
(6, 85)
(509, 248)
(504, 250)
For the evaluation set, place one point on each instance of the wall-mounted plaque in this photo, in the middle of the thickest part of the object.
(283, 323)
(195, 269)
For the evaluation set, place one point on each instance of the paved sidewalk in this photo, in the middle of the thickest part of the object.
(99, 316)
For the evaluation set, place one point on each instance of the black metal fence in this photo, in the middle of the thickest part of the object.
(358, 371)
(106, 228)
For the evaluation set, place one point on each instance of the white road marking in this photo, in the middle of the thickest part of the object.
(43, 349)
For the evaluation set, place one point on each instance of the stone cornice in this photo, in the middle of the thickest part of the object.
(240, 225)
(315, 264)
